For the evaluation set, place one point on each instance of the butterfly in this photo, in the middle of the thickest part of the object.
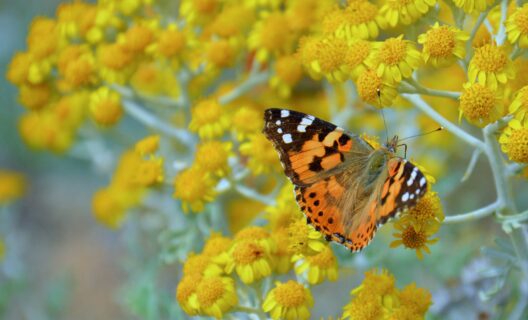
(345, 187)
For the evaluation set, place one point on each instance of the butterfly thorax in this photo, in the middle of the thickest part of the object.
(377, 162)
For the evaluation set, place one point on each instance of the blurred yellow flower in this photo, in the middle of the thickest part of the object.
(282, 258)
(271, 36)
(35, 96)
(249, 259)
(405, 12)
(288, 72)
(318, 267)
(109, 207)
(212, 157)
(216, 245)
(2, 249)
(186, 294)
(289, 301)
(396, 59)
(262, 158)
(150, 172)
(76, 64)
(246, 122)
(514, 140)
(490, 66)
(232, 21)
(443, 45)
(216, 296)
(220, 53)
(114, 63)
(12, 186)
(139, 36)
(199, 12)
(105, 106)
(18, 69)
(517, 26)
(471, 6)
(194, 187)
(147, 145)
(201, 265)
(324, 56)
(304, 239)
(208, 119)
(480, 104)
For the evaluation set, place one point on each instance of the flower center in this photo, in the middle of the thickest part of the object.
(171, 42)
(331, 54)
(275, 32)
(220, 53)
(518, 145)
(209, 291)
(477, 102)
(247, 252)
(252, 233)
(521, 20)
(137, 38)
(490, 58)
(368, 84)
(357, 53)
(186, 287)
(207, 111)
(359, 12)
(413, 239)
(440, 42)
(290, 294)
(393, 51)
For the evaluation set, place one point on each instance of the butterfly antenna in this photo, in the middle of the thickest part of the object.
(378, 92)
(422, 134)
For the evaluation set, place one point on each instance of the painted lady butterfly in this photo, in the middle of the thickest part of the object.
(345, 187)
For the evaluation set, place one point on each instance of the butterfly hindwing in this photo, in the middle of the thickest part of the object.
(309, 148)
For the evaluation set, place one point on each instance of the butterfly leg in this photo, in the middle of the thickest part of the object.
(404, 145)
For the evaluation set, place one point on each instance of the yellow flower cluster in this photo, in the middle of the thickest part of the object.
(378, 298)
(138, 169)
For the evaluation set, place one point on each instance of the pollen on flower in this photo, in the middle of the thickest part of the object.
(372, 89)
(290, 300)
(514, 141)
(412, 238)
(194, 187)
(490, 66)
(396, 58)
(212, 156)
(443, 44)
(208, 119)
(105, 106)
(517, 26)
(480, 104)
(216, 295)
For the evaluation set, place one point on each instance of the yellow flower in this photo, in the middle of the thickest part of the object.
(519, 105)
(517, 26)
(282, 214)
(208, 119)
(363, 307)
(271, 36)
(359, 20)
(109, 207)
(216, 296)
(288, 71)
(246, 122)
(35, 97)
(150, 172)
(282, 258)
(151, 78)
(418, 300)
(138, 37)
(427, 210)
(289, 301)
(249, 259)
(147, 145)
(43, 38)
(396, 59)
(233, 21)
(374, 90)
(199, 12)
(115, 64)
(258, 234)
(443, 45)
(18, 69)
(262, 158)
(105, 106)
(186, 294)
(304, 15)
(220, 53)
(304, 239)
(76, 65)
(171, 42)
(43, 130)
(470, 6)
(480, 105)
(324, 56)
(212, 157)
(12, 186)
(201, 265)
(216, 245)
(490, 66)
(194, 187)
(514, 140)
(414, 239)
(405, 11)
(318, 267)
(358, 58)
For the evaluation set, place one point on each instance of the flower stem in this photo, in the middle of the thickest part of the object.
(473, 215)
(253, 80)
(419, 89)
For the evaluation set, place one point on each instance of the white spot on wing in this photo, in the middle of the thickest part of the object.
(422, 182)
(417, 191)
(278, 122)
(413, 176)
(412, 196)
(310, 117)
(301, 128)
(287, 138)
(405, 196)
(285, 113)
(306, 121)
(279, 130)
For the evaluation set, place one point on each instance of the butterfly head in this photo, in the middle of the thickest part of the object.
(392, 144)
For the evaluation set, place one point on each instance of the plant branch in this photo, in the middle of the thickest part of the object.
(253, 80)
(448, 125)
(473, 215)
(472, 163)
(419, 89)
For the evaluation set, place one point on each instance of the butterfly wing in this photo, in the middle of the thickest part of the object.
(348, 210)
(311, 149)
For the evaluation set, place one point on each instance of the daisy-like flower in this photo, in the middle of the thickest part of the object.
(359, 58)
(427, 210)
(318, 267)
(359, 20)
(480, 104)
(194, 187)
(105, 106)
(282, 258)
(258, 234)
(405, 12)
(519, 105)
(249, 259)
(262, 157)
(414, 239)
(490, 66)
(12, 186)
(208, 119)
(289, 301)
(396, 59)
(514, 140)
(417, 300)
(202, 265)
(186, 294)
(216, 296)
(147, 145)
(443, 45)
(35, 97)
(282, 214)
(324, 56)
(304, 15)
(517, 27)
(372, 89)
(216, 245)
(246, 122)
(114, 63)
(470, 6)
(212, 156)
(76, 65)
(271, 36)
(304, 240)
(288, 71)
